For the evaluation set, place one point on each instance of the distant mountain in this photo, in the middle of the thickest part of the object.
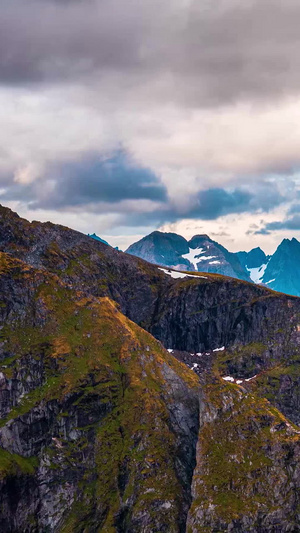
(166, 249)
(283, 270)
(280, 271)
(206, 255)
(255, 262)
(200, 254)
(253, 259)
(96, 238)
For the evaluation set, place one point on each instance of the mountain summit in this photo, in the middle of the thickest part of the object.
(200, 254)
(283, 270)
(280, 272)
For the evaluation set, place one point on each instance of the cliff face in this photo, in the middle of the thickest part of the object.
(98, 422)
(101, 429)
(247, 476)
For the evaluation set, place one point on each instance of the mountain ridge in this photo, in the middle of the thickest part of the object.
(279, 271)
(199, 253)
(102, 429)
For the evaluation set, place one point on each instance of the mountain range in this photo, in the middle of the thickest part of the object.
(135, 398)
(280, 271)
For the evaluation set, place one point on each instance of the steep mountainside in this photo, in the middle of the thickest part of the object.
(253, 259)
(102, 429)
(166, 249)
(98, 422)
(247, 477)
(200, 254)
(282, 272)
(255, 262)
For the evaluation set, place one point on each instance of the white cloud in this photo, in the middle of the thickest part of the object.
(236, 228)
(205, 94)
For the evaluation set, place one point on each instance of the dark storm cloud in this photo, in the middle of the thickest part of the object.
(209, 204)
(214, 203)
(47, 40)
(290, 223)
(212, 52)
(91, 180)
(295, 208)
(118, 184)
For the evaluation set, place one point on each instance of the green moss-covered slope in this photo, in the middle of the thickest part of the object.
(247, 473)
(89, 408)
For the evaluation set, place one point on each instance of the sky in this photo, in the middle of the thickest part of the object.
(120, 118)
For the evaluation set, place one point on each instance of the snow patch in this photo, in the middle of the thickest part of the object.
(271, 281)
(249, 379)
(192, 256)
(215, 262)
(207, 258)
(256, 274)
(292, 428)
(238, 381)
(170, 350)
(176, 275)
(219, 349)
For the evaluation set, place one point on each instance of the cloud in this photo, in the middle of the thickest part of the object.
(93, 179)
(197, 53)
(205, 88)
(118, 184)
(219, 234)
(289, 223)
(294, 208)
(205, 97)
(262, 231)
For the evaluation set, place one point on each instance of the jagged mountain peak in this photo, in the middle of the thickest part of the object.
(255, 262)
(288, 243)
(166, 249)
(197, 239)
(200, 254)
(282, 272)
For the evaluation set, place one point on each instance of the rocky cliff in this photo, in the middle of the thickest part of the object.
(102, 429)
(98, 422)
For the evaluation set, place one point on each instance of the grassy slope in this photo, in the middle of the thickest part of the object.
(246, 461)
(90, 350)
